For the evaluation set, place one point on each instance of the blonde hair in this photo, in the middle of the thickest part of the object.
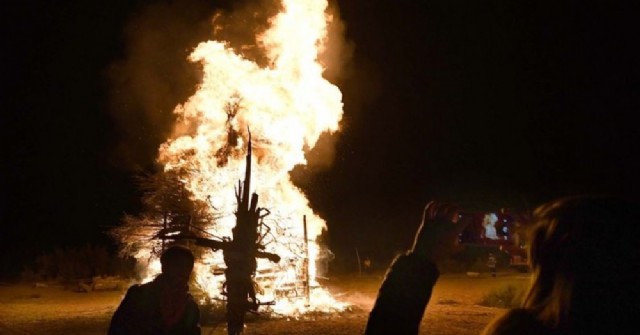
(580, 265)
(549, 296)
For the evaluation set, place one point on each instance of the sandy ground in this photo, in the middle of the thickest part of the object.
(453, 309)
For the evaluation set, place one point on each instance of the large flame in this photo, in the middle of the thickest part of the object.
(286, 105)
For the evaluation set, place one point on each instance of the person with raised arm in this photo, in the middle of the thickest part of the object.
(585, 271)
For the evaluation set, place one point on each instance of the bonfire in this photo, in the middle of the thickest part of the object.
(287, 105)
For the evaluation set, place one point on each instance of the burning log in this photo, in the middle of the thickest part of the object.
(240, 253)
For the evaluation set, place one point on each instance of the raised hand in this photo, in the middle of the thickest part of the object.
(438, 233)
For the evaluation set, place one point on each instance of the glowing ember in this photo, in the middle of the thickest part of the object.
(286, 105)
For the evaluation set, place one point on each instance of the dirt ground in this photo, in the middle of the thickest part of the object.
(453, 309)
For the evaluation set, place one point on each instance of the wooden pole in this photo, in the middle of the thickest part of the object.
(359, 263)
(307, 289)
(164, 226)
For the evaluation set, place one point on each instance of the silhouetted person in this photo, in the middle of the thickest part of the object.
(585, 266)
(491, 263)
(163, 306)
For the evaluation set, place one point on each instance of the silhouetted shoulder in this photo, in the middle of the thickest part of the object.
(134, 290)
(517, 321)
(192, 317)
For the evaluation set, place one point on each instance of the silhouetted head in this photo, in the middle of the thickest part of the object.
(584, 256)
(177, 264)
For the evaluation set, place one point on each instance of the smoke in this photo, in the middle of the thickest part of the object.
(154, 74)
(338, 51)
(336, 57)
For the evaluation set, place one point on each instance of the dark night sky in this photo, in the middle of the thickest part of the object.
(485, 103)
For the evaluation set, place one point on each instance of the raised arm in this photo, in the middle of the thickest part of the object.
(407, 286)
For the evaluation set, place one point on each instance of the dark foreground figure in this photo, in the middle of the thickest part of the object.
(584, 257)
(163, 306)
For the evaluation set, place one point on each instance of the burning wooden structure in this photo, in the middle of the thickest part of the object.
(289, 105)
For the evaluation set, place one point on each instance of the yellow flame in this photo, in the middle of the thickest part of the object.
(287, 105)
